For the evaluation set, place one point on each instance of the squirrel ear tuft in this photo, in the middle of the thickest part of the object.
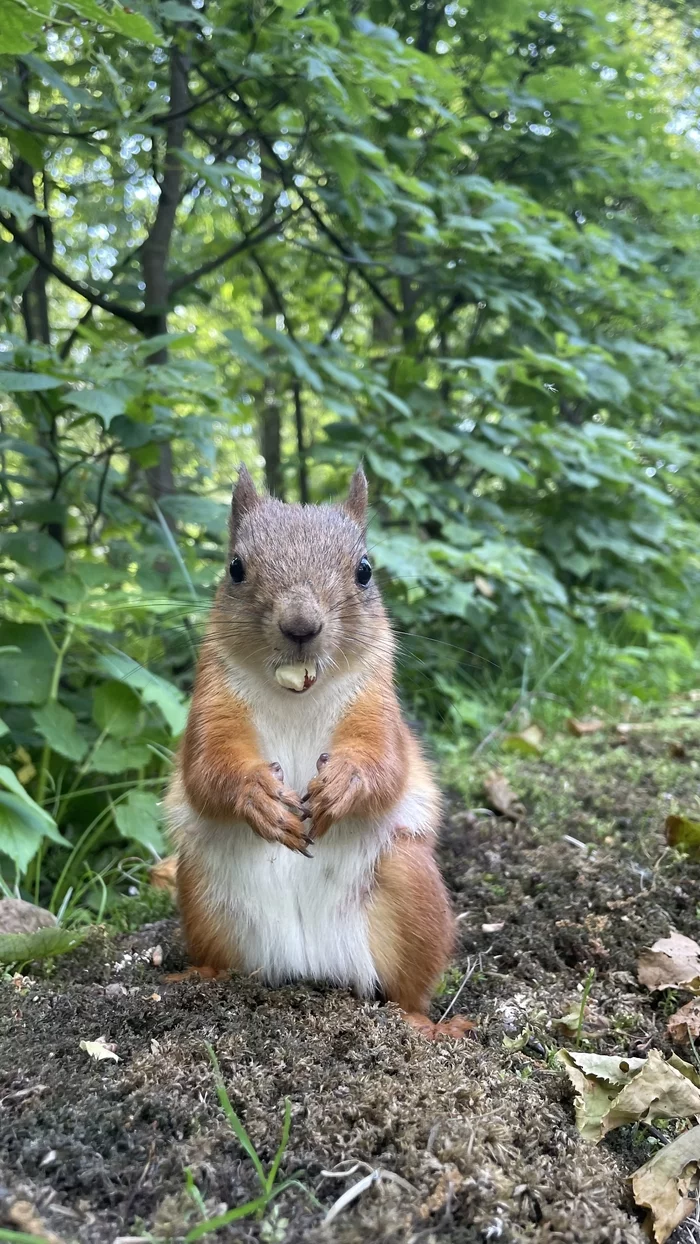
(356, 502)
(245, 498)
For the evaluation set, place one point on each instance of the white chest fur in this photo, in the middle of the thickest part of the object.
(288, 916)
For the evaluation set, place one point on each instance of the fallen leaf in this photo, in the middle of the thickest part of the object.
(580, 728)
(99, 1050)
(597, 1079)
(493, 928)
(594, 1024)
(664, 1182)
(626, 728)
(681, 831)
(24, 1215)
(662, 1088)
(672, 961)
(528, 742)
(611, 1092)
(163, 875)
(483, 586)
(685, 1023)
(502, 797)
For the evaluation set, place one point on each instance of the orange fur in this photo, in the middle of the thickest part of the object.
(209, 945)
(367, 767)
(411, 927)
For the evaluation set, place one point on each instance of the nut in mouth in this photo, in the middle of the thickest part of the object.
(297, 677)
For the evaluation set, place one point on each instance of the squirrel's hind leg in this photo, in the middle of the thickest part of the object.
(208, 937)
(412, 932)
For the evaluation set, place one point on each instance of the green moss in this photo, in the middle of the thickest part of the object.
(133, 911)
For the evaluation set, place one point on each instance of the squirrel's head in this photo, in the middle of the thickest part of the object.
(299, 593)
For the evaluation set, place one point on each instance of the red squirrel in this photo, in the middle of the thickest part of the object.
(304, 812)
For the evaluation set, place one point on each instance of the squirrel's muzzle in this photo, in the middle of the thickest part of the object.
(299, 617)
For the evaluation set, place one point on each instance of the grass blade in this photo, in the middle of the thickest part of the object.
(235, 1123)
(272, 1174)
(222, 1220)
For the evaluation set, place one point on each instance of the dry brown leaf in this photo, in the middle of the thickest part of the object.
(483, 586)
(663, 1183)
(502, 797)
(99, 1050)
(528, 741)
(25, 1216)
(580, 728)
(671, 1089)
(163, 875)
(672, 961)
(597, 1079)
(685, 1021)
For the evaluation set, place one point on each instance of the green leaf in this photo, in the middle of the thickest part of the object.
(19, 29)
(116, 708)
(27, 382)
(153, 689)
(23, 826)
(99, 402)
(34, 549)
(683, 832)
(139, 818)
(25, 676)
(134, 25)
(19, 205)
(42, 944)
(59, 726)
(113, 756)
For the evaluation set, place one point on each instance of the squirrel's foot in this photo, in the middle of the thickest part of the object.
(450, 1029)
(204, 973)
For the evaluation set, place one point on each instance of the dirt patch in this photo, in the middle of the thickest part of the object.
(481, 1130)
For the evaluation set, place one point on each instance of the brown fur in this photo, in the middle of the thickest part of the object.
(411, 927)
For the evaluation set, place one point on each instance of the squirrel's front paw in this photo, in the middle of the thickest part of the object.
(334, 793)
(274, 812)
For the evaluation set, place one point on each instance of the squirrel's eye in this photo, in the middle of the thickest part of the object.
(363, 574)
(237, 570)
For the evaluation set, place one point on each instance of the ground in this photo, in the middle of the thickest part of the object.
(482, 1129)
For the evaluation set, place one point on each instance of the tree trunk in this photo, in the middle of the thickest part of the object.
(156, 249)
(34, 300)
(271, 420)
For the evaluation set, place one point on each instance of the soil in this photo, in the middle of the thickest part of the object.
(482, 1129)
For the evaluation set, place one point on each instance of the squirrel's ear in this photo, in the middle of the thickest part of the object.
(356, 502)
(245, 498)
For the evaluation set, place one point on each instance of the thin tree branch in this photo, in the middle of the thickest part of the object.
(287, 176)
(237, 248)
(137, 318)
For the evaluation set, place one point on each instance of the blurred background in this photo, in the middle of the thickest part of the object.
(457, 242)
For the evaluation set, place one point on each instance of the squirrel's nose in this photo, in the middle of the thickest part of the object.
(301, 631)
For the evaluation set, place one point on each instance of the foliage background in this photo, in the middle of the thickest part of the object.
(457, 241)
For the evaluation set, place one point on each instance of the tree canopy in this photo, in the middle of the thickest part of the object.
(457, 242)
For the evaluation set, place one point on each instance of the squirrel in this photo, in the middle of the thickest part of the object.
(304, 812)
